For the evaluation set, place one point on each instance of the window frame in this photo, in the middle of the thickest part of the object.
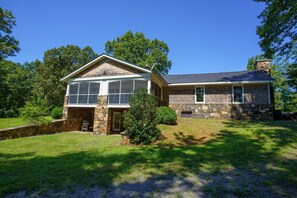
(120, 90)
(196, 94)
(242, 94)
(88, 94)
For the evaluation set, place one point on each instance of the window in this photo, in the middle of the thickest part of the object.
(120, 91)
(237, 94)
(199, 94)
(84, 93)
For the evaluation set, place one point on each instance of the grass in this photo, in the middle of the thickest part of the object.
(15, 122)
(228, 156)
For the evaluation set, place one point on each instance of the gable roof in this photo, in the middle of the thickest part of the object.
(101, 57)
(223, 77)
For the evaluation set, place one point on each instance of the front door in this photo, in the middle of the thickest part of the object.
(116, 121)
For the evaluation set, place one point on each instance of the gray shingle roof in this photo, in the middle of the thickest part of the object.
(218, 77)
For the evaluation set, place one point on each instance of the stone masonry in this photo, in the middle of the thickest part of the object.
(101, 116)
(226, 111)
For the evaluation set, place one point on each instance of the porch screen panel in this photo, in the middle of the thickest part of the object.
(84, 93)
(114, 92)
(93, 93)
(140, 84)
(126, 91)
(73, 90)
(120, 91)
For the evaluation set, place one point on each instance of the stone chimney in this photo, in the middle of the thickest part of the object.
(263, 65)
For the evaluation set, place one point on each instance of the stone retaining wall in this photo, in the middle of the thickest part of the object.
(226, 111)
(25, 131)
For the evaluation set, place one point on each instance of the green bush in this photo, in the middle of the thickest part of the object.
(166, 115)
(57, 112)
(140, 120)
(34, 111)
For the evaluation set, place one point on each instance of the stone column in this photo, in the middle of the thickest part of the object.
(65, 107)
(101, 116)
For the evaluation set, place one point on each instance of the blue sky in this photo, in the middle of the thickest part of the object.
(203, 36)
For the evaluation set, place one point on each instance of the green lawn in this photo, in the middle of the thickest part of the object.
(14, 122)
(207, 156)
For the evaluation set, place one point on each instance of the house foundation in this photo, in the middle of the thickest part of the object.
(225, 111)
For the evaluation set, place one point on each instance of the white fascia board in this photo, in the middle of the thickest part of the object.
(144, 75)
(118, 106)
(219, 83)
(97, 60)
(81, 105)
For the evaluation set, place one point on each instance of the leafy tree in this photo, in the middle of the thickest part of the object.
(278, 27)
(57, 63)
(16, 82)
(292, 74)
(34, 111)
(140, 119)
(252, 62)
(8, 44)
(139, 50)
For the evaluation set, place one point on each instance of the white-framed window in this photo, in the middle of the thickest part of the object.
(237, 94)
(84, 92)
(200, 94)
(120, 91)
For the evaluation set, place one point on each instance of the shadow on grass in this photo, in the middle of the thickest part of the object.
(234, 164)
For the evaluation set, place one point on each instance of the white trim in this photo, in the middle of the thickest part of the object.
(118, 106)
(67, 90)
(109, 77)
(149, 86)
(81, 105)
(242, 94)
(203, 95)
(269, 100)
(100, 58)
(219, 83)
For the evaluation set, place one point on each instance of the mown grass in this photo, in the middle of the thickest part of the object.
(15, 122)
(63, 161)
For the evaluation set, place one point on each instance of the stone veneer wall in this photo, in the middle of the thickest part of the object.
(77, 114)
(233, 111)
(101, 121)
(25, 131)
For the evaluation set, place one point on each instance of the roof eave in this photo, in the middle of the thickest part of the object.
(221, 83)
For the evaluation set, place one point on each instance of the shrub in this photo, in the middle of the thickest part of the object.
(34, 111)
(57, 112)
(140, 120)
(166, 115)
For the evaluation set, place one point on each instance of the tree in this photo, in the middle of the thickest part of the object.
(252, 62)
(278, 27)
(15, 86)
(140, 119)
(8, 44)
(139, 50)
(57, 63)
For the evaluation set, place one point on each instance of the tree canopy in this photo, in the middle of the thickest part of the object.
(139, 50)
(9, 46)
(57, 63)
(16, 82)
(278, 27)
